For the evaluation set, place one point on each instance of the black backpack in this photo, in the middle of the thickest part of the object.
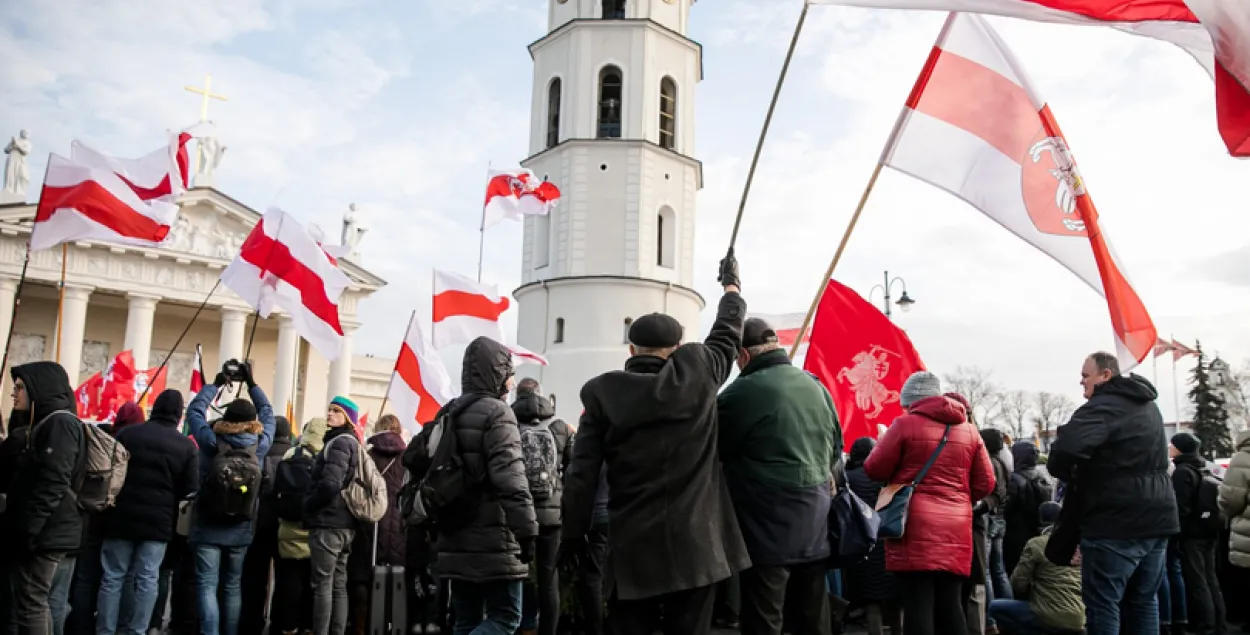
(541, 457)
(229, 495)
(449, 494)
(1206, 513)
(290, 483)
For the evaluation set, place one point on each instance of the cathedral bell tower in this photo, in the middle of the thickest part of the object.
(613, 127)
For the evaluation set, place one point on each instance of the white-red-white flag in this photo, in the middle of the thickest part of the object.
(197, 371)
(522, 355)
(93, 196)
(975, 127)
(420, 384)
(786, 325)
(514, 194)
(1180, 350)
(281, 266)
(465, 310)
(1163, 346)
(1215, 32)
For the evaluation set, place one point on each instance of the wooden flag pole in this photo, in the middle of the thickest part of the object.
(60, 303)
(837, 255)
(768, 120)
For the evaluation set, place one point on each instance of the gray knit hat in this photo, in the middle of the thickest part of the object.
(920, 385)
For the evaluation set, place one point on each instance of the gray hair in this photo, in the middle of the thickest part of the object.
(1106, 361)
(760, 349)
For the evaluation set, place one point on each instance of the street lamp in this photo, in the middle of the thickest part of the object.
(904, 301)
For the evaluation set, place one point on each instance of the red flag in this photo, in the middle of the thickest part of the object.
(88, 396)
(197, 371)
(1163, 346)
(1180, 350)
(862, 358)
(118, 385)
(151, 383)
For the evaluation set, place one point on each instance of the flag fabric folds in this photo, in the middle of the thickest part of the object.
(88, 396)
(975, 127)
(786, 326)
(280, 265)
(197, 371)
(93, 196)
(1163, 347)
(514, 194)
(1180, 350)
(420, 384)
(465, 310)
(862, 358)
(522, 355)
(1215, 32)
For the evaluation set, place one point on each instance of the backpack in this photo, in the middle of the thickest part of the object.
(104, 462)
(542, 459)
(233, 485)
(448, 496)
(1206, 513)
(290, 482)
(365, 494)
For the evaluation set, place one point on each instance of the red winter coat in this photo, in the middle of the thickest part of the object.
(939, 521)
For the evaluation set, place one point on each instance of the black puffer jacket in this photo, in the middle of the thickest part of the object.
(324, 506)
(164, 468)
(42, 510)
(531, 409)
(1115, 450)
(490, 444)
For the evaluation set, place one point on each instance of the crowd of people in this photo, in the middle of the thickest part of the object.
(675, 503)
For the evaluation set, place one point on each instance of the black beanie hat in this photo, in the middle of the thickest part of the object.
(655, 330)
(1186, 443)
(281, 427)
(1048, 513)
(168, 406)
(239, 411)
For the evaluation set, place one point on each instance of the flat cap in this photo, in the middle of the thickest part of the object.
(655, 330)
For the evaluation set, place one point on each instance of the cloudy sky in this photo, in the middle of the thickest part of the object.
(399, 107)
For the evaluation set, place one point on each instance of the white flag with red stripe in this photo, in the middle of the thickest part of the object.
(975, 127)
(92, 196)
(280, 265)
(786, 325)
(420, 384)
(197, 370)
(465, 310)
(514, 194)
(522, 355)
(1215, 32)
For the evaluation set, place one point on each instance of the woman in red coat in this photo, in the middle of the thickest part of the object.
(934, 556)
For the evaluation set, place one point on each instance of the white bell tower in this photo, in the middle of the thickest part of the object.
(613, 127)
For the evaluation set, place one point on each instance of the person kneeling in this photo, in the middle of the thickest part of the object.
(1053, 605)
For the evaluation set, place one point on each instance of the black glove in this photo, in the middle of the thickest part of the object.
(247, 374)
(729, 270)
(527, 549)
(220, 380)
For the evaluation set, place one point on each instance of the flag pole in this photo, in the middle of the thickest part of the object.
(768, 120)
(407, 332)
(1176, 390)
(17, 303)
(178, 341)
(60, 302)
(481, 235)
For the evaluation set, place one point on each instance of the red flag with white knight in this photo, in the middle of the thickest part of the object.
(862, 358)
(515, 194)
(975, 127)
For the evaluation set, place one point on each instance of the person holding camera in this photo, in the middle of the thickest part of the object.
(231, 451)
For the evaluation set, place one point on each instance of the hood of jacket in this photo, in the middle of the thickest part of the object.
(387, 444)
(486, 369)
(279, 446)
(532, 407)
(314, 434)
(940, 409)
(1024, 455)
(993, 440)
(227, 428)
(48, 387)
(1134, 388)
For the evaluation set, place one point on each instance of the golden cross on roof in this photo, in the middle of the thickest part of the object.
(206, 94)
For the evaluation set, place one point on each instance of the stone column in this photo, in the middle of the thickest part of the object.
(340, 381)
(73, 328)
(284, 375)
(8, 297)
(139, 328)
(233, 322)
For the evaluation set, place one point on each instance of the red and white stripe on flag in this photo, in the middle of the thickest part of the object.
(280, 265)
(786, 325)
(514, 194)
(197, 371)
(522, 355)
(1215, 32)
(420, 384)
(465, 310)
(92, 196)
(975, 127)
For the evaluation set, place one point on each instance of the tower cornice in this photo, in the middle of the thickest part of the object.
(650, 145)
(593, 23)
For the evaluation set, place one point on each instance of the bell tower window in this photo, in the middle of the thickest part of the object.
(668, 114)
(613, 9)
(553, 113)
(610, 93)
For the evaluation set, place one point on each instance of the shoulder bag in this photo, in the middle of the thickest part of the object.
(894, 499)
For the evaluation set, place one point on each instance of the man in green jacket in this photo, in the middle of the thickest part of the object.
(1054, 602)
(780, 443)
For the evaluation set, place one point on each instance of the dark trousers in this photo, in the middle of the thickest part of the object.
(184, 603)
(32, 586)
(256, 567)
(543, 598)
(292, 596)
(1206, 601)
(686, 612)
(83, 590)
(932, 602)
(764, 596)
(590, 579)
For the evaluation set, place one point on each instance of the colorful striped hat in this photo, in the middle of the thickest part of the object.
(348, 407)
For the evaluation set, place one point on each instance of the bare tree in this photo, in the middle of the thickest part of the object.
(1014, 409)
(974, 383)
(1049, 412)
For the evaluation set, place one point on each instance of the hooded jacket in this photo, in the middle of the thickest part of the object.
(1234, 494)
(531, 409)
(164, 469)
(487, 549)
(42, 507)
(324, 505)
(385, 450)
(1115, 449)
(939, 520)
(996, 500)
(293, 536)
(239, 435)
(1027, 489)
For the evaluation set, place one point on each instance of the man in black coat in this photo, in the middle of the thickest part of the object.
(163, 470)
(42, 520)
(1113, 453)
(672, 531)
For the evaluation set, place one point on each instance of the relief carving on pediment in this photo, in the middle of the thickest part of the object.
(211, 237)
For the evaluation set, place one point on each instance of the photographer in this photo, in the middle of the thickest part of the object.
(231, 451)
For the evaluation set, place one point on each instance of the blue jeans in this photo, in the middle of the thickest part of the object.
(119, 559)
(1173, 606)
(1120, 583)
(58, 597)
(486, 608)
(1015, 617)
(224, 564)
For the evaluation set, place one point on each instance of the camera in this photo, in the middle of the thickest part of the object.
(234, 370)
